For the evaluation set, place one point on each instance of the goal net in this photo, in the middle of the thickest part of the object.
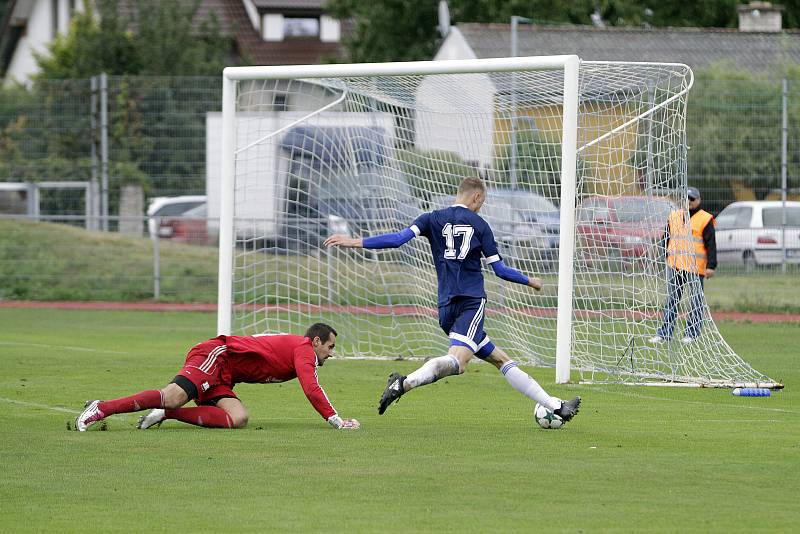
(584, 162)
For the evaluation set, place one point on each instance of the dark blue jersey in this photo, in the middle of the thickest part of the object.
(458, 238)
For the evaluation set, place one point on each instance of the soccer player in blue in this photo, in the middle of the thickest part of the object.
(458, 237)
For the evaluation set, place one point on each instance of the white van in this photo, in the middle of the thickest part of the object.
(293, 187)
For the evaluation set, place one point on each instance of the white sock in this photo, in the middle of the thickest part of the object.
(431, 371)
(522, 382)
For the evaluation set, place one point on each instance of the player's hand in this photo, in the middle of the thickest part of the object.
(535, 283)
(350, 424)
(339, 240)
(709, 273)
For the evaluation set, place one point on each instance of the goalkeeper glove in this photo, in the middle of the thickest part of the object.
(343, 424)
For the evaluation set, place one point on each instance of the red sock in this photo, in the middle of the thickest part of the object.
(207, 416)
(141, 401)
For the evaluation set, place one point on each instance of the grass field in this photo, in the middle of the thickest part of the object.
(462, 455)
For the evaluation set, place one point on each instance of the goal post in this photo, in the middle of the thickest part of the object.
(584, 162)
(231, 75)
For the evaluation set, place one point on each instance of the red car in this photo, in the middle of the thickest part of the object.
(624, 228)
(188, 227)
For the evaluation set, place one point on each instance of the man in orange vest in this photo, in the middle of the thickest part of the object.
(691, 258)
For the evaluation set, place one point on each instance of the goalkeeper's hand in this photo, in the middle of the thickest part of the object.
(343, 424)
(339, 240)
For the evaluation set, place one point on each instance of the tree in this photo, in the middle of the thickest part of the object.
(734, 131)
(148, 116)
(391, 30)
(161, 39)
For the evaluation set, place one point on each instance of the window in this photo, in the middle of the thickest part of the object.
(727, 219)
(773, 217)
(744, 217)
(176, 209)
(279, 102)
(642, 209)
(593, 211)
(300, 27)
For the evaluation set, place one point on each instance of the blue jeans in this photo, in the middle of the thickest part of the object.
(676, 281)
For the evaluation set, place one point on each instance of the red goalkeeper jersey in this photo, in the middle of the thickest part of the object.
(277, 358)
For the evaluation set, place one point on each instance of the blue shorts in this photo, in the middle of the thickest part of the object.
(462, 321)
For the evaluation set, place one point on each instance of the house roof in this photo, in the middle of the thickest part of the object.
(284, 5)
(296, 51)
(234, 22)
(696, 47)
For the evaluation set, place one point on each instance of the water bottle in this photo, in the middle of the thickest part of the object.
(752, 392)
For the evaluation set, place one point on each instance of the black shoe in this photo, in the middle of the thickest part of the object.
(568, 409)
(394, 390)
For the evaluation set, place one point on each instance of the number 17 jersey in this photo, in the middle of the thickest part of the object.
(458, 237)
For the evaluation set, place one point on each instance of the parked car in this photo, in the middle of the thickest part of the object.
(188, 227)
(750, 233)
(534, 209)
(623, 228)
(161, 207)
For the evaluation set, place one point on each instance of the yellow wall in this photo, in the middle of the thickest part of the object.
(608, 166)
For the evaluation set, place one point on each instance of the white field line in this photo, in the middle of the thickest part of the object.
(37, 405)
(59, 408)
(63, 347)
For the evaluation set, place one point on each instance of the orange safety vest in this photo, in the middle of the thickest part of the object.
(686, 251)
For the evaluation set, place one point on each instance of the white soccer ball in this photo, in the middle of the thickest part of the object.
(545, 417)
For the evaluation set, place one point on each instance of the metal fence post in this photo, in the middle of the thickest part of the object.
(104, 146)
(156, 259)
(94, 210)
(512, 163)
(33, 201)
(784, 142)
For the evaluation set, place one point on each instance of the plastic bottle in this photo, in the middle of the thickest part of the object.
(752, 392)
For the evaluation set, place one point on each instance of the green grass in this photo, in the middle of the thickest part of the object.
(765, 292)
(44, 261)
(462, 455)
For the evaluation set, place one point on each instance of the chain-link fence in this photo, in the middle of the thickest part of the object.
(108, 131)
(93, 153)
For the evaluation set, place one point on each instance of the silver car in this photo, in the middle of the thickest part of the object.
(750, 233)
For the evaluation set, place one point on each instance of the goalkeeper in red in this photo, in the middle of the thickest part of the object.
(459, 237)
(214, 367)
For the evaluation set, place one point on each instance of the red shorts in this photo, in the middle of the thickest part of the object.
(205, 368)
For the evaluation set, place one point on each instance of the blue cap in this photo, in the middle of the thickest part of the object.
(693, 193)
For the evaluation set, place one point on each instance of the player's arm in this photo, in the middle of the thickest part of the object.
(489, 247)
(306, 369)
(392, 240)
(512, 275)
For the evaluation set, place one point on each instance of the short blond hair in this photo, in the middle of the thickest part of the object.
(470, 185)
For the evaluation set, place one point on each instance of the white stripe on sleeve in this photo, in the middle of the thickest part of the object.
(493, 258)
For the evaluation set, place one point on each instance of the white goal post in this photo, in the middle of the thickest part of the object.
(582, 159)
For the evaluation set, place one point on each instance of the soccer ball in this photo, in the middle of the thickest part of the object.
(545, 417)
